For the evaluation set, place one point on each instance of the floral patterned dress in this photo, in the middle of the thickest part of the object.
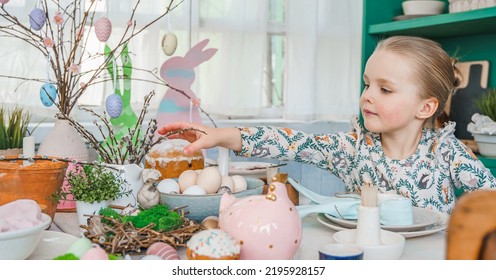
(429, 177)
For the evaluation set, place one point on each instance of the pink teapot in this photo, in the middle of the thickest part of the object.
(267, 226)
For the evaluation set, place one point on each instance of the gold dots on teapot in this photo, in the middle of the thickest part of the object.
(271, 194)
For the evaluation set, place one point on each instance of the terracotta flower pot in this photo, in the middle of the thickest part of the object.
(37, 181)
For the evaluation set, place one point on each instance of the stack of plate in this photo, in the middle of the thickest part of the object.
(425, 222)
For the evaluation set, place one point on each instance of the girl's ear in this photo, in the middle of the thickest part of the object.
(428, 108)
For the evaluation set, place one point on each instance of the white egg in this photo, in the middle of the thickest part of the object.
(186, 179)
(227, 181)
(240, 183)
(209, 179)
(169, 43)
(194, 190)
(168, 186)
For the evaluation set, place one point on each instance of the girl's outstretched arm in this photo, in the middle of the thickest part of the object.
(229, 138)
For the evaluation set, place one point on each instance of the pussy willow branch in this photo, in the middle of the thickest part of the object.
(133, 146)
(63, 56)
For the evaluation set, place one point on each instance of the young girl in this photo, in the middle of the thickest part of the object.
(407, 83)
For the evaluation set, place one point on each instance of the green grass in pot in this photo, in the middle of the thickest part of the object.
(486, 103)
(13, 127)
(94, 183)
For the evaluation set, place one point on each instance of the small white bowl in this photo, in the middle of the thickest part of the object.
(391, 248)
(486, 144)
(20, 244)
(426, 7)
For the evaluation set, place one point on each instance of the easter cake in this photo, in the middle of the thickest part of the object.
(212, 244)
(168, 158)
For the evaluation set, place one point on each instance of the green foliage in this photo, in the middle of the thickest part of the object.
(66, 257)
(487, 103)
(13, 127)
(160, 215)
(94, 183)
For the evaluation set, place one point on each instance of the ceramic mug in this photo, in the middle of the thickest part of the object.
(338, 251)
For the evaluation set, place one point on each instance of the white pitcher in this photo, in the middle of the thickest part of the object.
(134, 181)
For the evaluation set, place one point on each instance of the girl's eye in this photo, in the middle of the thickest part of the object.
(385, 90)
(366, 86)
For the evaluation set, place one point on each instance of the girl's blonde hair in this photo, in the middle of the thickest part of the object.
(436, 72)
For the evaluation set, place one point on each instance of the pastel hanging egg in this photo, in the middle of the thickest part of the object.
(169, 43)
(37, 18)
(163, 250)
(4, 1)
(103, 29)
(114, 105)
(48, 92)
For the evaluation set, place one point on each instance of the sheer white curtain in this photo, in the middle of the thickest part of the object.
(323, 59)
(231, 82)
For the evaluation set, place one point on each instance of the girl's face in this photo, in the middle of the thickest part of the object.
(391, 98)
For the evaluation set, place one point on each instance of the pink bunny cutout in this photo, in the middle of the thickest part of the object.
(179, 73)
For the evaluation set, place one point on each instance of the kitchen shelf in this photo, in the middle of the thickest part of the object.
(474, 22)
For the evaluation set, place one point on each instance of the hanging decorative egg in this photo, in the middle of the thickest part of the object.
(114, 105)
(103, 29)
(169, 43)
(4, 1)
(37, 18)
(48, 91)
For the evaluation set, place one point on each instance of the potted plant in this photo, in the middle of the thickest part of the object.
(13, 128)
(483, 126)
(92, 187)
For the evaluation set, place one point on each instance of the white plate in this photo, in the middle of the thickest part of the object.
(441, 225)
(52, 244)
(422, 218)
(248, 168)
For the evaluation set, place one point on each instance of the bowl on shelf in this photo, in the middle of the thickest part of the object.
(486, 144)
(391, 248)
(20, 244)
(201, 206)
(423, 7)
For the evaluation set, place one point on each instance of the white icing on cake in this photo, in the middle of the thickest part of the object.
(169, 151)
(213, 243)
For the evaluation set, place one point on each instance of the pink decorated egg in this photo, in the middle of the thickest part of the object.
(103, 29)
(163, 250)
(95, 253)
(37, 19)
(4, 1)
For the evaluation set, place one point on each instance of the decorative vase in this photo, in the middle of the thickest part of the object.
(37, 181)
(84, 209)
(134, 181)
(63, 141)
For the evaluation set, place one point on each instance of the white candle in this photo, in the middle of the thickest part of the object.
(28, 148)
(223, 161)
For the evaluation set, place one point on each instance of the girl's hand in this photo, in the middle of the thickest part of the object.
(204, 137)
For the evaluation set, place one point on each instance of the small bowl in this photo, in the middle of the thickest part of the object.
(391, 248)
(426, 7)
(202, 206)
(20, 244)
(486, 144)
(339, 251)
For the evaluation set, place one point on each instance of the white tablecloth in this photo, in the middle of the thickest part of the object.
(429, 247)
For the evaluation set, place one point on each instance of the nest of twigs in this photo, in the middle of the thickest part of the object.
(116, 237)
